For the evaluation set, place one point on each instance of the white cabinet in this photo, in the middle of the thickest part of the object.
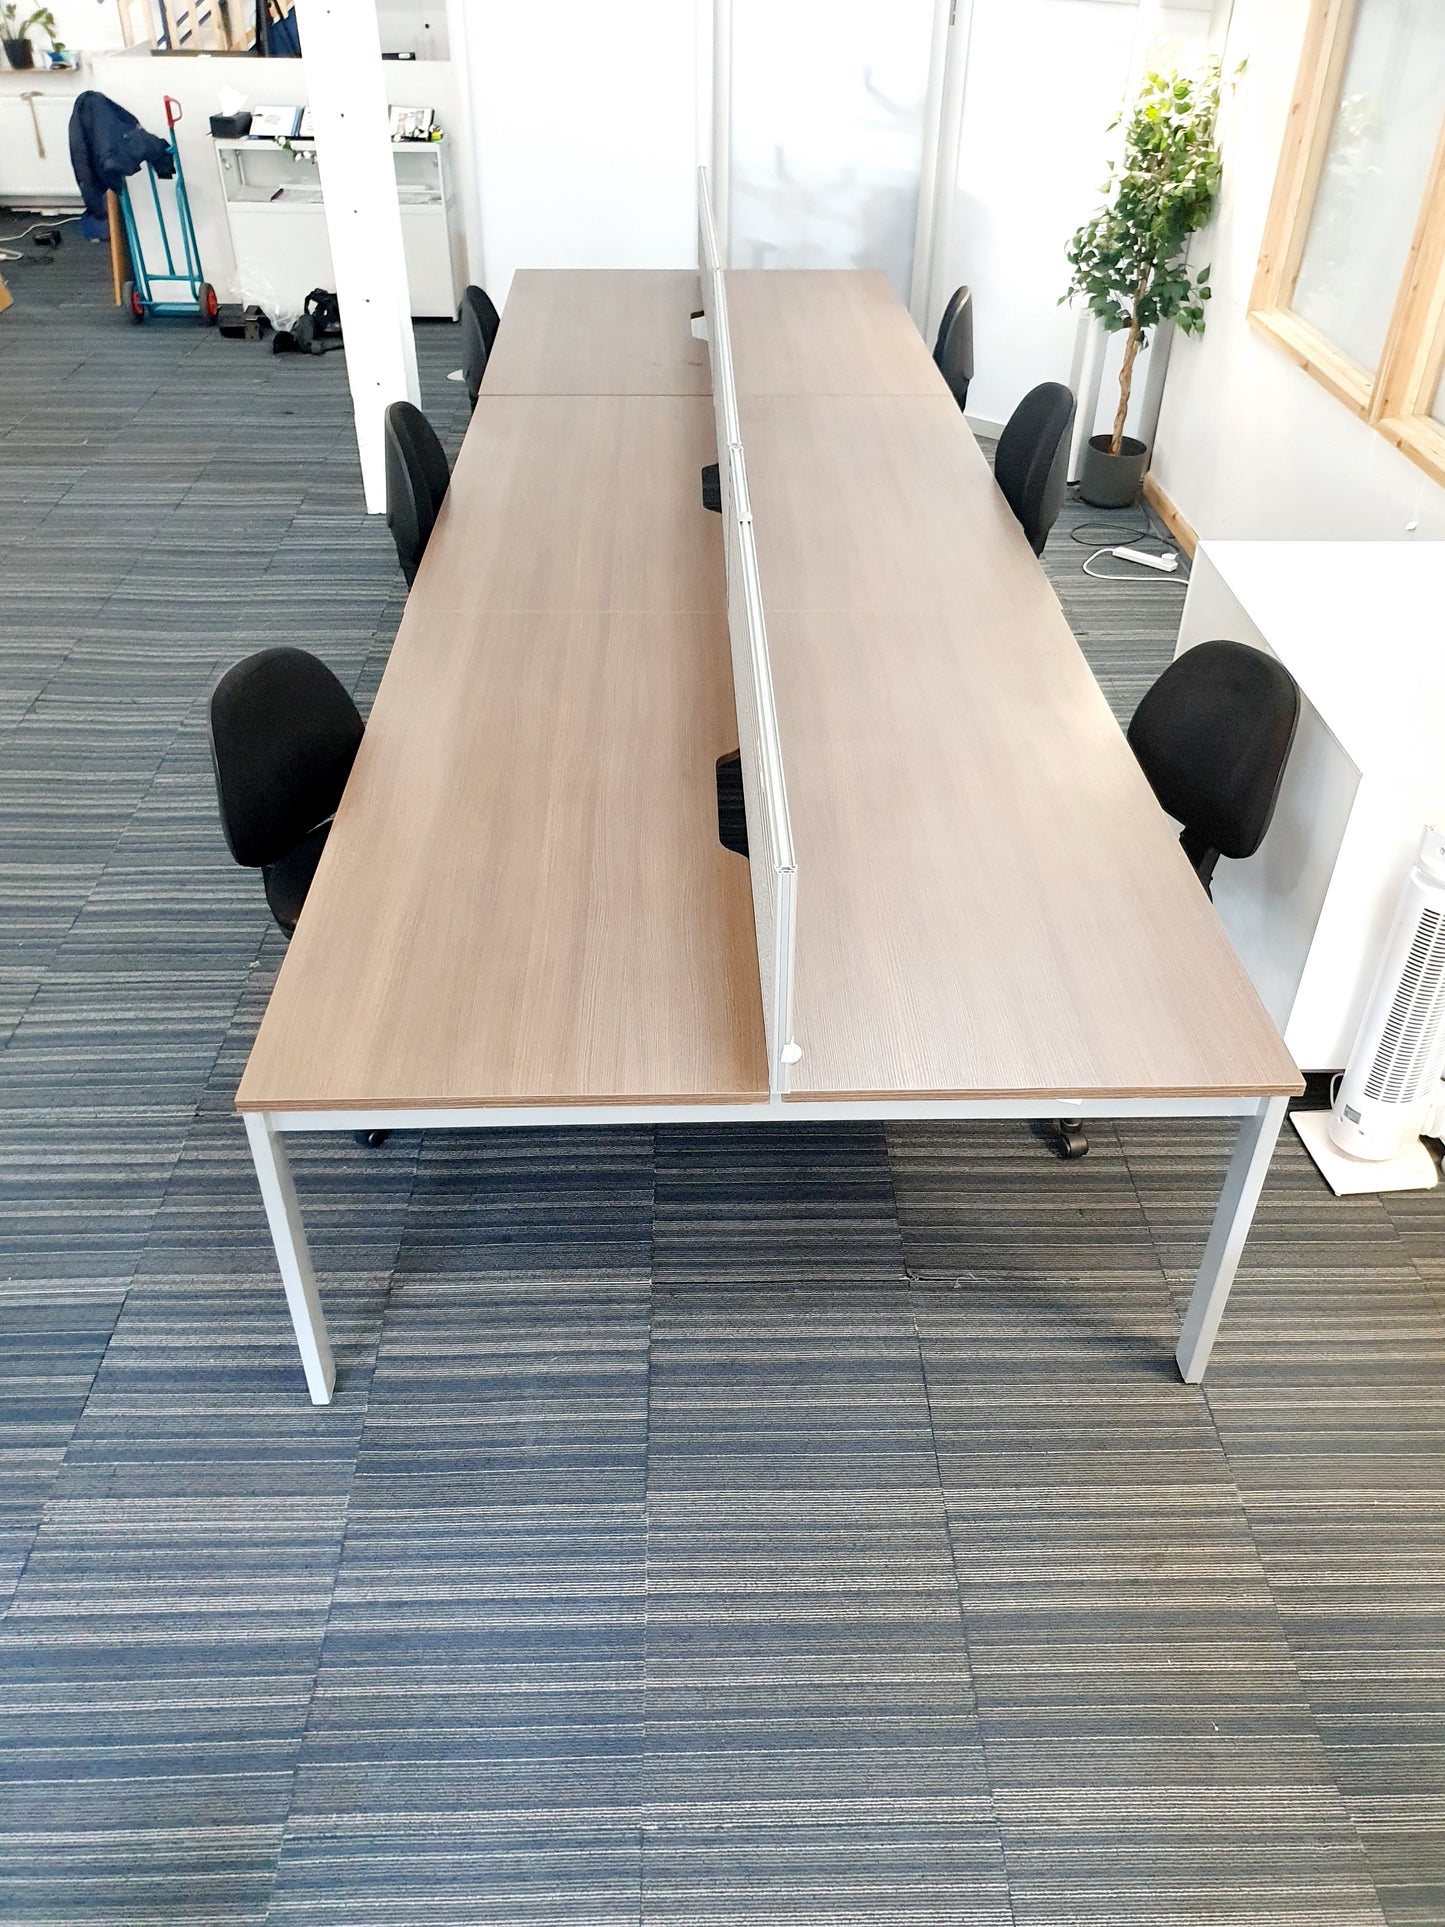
(277, 221)
(35, 169)
(1359, 626)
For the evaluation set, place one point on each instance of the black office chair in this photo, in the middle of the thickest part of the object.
(1032, 462)
(479, 324)
(284, 734)
(417, 479)
(953, 350)
(1213, 736)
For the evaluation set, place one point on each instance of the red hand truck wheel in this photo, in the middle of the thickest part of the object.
(131, 305)
(207, 306)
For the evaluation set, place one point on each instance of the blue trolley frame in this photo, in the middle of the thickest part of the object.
(200, 301)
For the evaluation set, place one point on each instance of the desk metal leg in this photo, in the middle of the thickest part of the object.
(288, 1234)
(1243, 1183)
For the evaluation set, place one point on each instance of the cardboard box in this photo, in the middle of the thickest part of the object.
(5, 295)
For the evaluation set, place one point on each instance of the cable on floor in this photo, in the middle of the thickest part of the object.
(1087, 533)
(60, 220)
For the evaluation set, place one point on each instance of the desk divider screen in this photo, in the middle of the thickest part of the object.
(707, 255)
(770, 833)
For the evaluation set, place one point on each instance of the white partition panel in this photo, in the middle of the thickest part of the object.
(765, 796)
(770, 834)
(708, 258)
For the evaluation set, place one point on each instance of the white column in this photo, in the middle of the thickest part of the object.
(341, 53)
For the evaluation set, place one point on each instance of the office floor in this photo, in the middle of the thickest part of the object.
(712, 1526)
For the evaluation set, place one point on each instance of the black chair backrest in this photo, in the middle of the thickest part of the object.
(1213, 736)
(417, 478)
(953, 351)
(284, 734)
(479, 323)
(1032, 463)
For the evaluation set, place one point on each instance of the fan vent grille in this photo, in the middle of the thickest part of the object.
(1402, 1058)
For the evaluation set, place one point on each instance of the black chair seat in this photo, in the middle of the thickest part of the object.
(288, 879)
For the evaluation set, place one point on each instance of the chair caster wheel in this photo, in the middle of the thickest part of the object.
(372, 1140)
(1069, 1141)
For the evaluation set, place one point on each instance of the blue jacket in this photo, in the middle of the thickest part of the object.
(107, 143)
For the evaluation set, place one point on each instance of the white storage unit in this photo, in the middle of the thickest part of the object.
(278, 224)
(1359, 626)
(35, 110)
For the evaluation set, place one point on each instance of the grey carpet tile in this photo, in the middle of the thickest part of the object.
(1178, 1168)
(80, 1186)
(26, 666)
(526, 1390)
(576, 1202)
(18, 985)
(459, 1870)
(992, 1201)
(901, 1868)
(766, 1205)
(1160, 1855)
(39, 902)
(770, 1389)
(97, 1037)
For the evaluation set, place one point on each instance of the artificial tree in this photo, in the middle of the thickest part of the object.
(15, 32)
(1129, 260)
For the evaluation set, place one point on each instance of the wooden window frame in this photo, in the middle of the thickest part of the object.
(1397, 396)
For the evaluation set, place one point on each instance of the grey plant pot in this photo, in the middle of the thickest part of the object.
(1112, 481)
(20, 53)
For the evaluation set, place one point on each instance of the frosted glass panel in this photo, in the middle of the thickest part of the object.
(1385, 128)
(827, 133)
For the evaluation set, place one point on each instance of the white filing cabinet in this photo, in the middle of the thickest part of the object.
(277, 220)
(1361, 628)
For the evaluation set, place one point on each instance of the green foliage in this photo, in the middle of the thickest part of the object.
(12, 27)
(1129, 259)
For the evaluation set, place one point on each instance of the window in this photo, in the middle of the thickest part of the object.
(1351, 278)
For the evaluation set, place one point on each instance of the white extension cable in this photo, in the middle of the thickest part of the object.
(1164, 564)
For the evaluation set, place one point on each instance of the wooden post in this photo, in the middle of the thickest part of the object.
(341, 53)
(118, 261)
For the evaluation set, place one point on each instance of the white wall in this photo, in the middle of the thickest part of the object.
(827, 134)
(87, 26)
(1248, 444)
(1044, 80)
(584, 124)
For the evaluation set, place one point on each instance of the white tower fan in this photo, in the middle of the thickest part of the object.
(1391, 1089)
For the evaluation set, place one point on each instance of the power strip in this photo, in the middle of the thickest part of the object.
(1166, 563)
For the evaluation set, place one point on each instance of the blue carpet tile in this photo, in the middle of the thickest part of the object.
(713, 1525)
